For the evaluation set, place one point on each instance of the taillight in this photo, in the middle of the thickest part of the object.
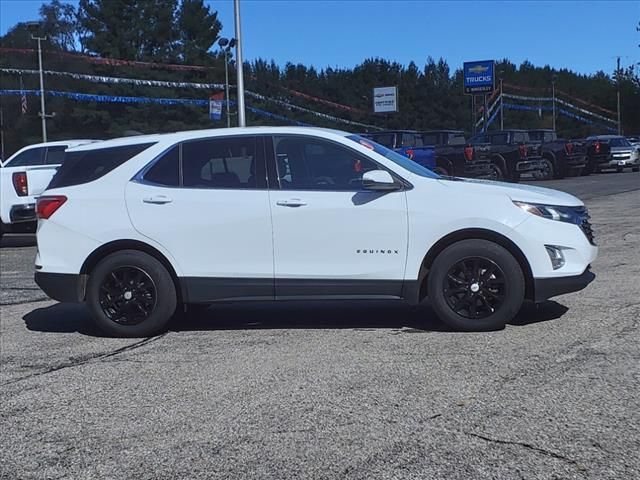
(410, 154)
(20, 183)
(596, 146)
(468, 153)
(569, 148)
(523, 151)
(47, 205)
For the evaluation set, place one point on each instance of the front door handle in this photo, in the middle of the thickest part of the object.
(157, 200)
(293, 202)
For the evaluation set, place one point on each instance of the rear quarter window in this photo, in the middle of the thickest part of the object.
(89, 165)
(32, 156)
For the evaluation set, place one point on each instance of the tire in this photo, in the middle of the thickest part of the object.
(498, 173)
(441, 171)
(635, 169)
(619, 169)
(549, 171)
(507, 280)
(131, 294)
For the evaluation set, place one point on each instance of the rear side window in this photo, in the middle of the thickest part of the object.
(457, 139)
(500, 139)
(55, 155)
(89, 165)
(520, 137)
(166, 171)
(229, 163)
(33, 156)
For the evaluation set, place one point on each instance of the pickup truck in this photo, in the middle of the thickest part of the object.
(611, 152)
(24, 176)
(512, 153)
(456, 157)
(407, 143)
(562, 157)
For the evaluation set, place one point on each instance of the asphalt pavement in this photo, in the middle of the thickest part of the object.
(356, 390)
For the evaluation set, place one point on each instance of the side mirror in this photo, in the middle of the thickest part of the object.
(379, 180)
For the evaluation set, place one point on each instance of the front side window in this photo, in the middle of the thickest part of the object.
(220, 163)
(395, 157)
(549, 136)
(33, 156)
(314, 164)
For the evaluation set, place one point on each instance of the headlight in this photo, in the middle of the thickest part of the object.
(553, 212)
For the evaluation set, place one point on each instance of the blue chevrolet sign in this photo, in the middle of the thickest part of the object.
(478, 77)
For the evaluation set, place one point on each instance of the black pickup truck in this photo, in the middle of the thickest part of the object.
(512, 153)
(562, 157)
(456, 157)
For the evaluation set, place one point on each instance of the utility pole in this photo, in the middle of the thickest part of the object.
(473, 114)
(239, 66)
(2, 159)
(484, 113)
(501, 107)
(227, 44)
(43, 112)
(553, 102)
(618, 87)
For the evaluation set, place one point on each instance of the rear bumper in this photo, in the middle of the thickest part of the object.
(576, 161)
(546, 288)
(530, 165)
(63, 287)
(23, 213)
(476, 170)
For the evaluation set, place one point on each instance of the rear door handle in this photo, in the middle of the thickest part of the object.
(293, 202)
(157, 200)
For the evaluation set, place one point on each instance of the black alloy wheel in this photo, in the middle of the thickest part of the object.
(474, 287)
(128, 295)
(131, 294)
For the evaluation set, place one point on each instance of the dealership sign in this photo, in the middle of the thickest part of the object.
(479, 77)
(385, 99)
(215, 106)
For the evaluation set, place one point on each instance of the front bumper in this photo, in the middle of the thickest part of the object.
(624, 162)
(63, 287)
(546, 288)
(530, 165)
(23, 213)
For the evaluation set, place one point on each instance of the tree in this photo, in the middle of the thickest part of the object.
(140, 30)
(60, 25)
(197, 31)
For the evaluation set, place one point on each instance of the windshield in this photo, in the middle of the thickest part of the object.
(396, 158)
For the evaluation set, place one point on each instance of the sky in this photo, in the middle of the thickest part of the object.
(584, 36)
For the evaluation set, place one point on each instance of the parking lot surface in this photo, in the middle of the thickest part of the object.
(356, 390)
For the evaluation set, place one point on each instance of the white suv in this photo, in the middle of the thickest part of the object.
(136, 227)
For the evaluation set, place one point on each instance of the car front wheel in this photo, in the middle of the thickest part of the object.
(131, 294)
(476, 285)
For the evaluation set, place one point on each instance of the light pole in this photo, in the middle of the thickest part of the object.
(226, 45)
(618, 88)
(240, 77)
(34, 27)
(501, 105)
(553, 102)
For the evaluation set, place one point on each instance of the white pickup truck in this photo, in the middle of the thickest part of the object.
(23, 177)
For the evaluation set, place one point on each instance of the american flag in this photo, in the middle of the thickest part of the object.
(23, 98)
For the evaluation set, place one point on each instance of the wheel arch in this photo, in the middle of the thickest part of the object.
(473, 234)
(118, 245)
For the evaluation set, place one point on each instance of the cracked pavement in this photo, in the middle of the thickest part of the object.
(355, 390)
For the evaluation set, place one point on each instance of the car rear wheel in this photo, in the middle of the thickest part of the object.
(131, 294)
(548, 171)
(496, 172)
(635, 169)
(476, 285)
